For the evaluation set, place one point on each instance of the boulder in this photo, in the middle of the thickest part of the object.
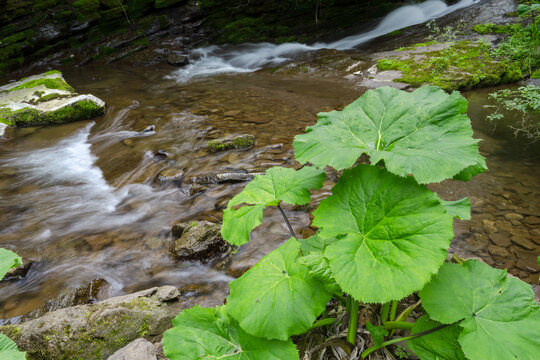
(177, 60)
(140, 349)
(237, 142)
(199, 240)
(96, 331)
(45, 99)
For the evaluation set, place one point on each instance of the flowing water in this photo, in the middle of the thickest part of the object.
(84, 200)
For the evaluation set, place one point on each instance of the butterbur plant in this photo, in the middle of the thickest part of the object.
(383, 235)
(8, 349)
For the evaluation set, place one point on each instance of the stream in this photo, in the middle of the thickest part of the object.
(85, 201)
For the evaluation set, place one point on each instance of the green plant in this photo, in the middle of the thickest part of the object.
(382, 236)
(8, 349)
(524, 44)
(524, 104)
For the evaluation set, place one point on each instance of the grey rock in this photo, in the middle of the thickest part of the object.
(167, 293)
(177, 60)
(224, 177)
(96, 331)
(140, 349)
(199, 240)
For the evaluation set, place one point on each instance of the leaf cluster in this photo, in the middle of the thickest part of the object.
(382, 236)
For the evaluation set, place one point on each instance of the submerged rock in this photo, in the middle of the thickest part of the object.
(199, 240)
(245, 141)
(224, 177)
(45, 99)
(96, 331)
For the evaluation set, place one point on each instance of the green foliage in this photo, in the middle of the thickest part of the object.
(425, 133)
(9, 350)
(278, 276)
(8, 260)
(382, 235)
(278, 184)
(442, 344)
(498, 314)
(524, 104)
(491, 28)
(377, 216)
(523, 46)
(200, 333)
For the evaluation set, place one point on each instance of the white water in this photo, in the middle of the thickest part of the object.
(251, 57)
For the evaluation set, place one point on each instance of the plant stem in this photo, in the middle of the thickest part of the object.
(384, 312)
(405, 314)
(389, 325)
(393, 310)
(393, 341)
(353, 321)
(321, 323)
(287, 221)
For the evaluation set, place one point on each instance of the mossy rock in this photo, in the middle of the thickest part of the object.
(45, 99)
(96, 331)
(245, 141)
(461, 65)
(86, 10)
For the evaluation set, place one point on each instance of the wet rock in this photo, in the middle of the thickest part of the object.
(140, 349)
(232, 113)
(500, 239)
(95, 331)
(225, 177)
(532, 220)
(535, 236)
(527, 266)
(498, 252)
(177, 60)
(198, 240)
(162, 155)
(196, 189)
(148, 129)
(489, 226)
(74, 296)
(523, 242)
(514, 218)
(128, 142)
(45, 99)
(171, 176)
(245, 141)
(19, 272)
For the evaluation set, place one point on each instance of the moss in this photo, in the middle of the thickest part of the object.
(463, 65)
(412, 47)
(144, 329)
(239, 142)
(55, 83)
(86, 10)
(395, 32)
(536, 74)
(20, 117)
(159, 4)
(52, 72)
(106, 50)
(163, 21)
(11, 331)
(43, 5)
(142, 41)
(491, 28)
(82, 110)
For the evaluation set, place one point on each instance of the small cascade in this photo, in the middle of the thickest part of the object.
(215, 60)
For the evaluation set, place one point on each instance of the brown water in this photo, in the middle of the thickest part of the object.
(84, 201)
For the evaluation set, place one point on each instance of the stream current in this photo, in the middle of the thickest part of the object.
(84, 201)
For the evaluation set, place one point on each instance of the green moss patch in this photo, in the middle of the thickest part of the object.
(462, 65)
(239, 142)
(55, 83)
(491, 28)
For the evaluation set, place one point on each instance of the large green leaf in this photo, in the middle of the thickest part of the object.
(501, 320)
(439, 345)
(313, 257)
(425, 133)
(200, 333)
(278, 297)
(278, 184)
(392, 234)
(9, 350)
(460, 209)
(8, 260)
